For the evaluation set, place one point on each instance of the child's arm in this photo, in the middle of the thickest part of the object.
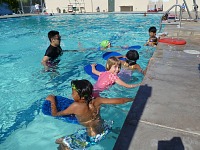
(140, 69)
(122, 56)
(54, 111)
(144, 71)
(148, 43)
(94, 70)
(122, 83)
(100, 100)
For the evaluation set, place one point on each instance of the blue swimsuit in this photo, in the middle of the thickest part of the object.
(80, 139)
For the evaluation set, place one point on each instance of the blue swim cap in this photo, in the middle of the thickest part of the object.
(104, 43)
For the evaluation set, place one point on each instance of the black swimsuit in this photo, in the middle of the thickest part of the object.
(53, 53)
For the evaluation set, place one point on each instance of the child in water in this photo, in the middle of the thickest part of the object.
(105, 44)
(109, 77)
(131, 61)
(87, 110)
(153, 40)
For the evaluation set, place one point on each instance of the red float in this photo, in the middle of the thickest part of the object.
(174, 41)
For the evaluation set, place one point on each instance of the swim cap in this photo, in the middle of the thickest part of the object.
(104, 43)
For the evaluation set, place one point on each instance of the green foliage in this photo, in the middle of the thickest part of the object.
(13, 4)
(24, 1)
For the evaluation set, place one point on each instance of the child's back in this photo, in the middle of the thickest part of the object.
(91, 118)
(87, 111)
(105, 80)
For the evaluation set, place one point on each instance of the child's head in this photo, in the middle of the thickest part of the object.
(131, 57)
(152, 31)
(113, 64)
(84, 89)
(54, 37)
(105, 44)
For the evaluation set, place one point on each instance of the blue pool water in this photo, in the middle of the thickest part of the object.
(24, 85)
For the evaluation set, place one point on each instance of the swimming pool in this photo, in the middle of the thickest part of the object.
(24, 85)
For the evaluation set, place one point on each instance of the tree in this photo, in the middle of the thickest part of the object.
(13, 4)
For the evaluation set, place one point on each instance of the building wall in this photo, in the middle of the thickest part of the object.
(51, 5)
(140, 5)
(91, 5)
(119, 3)
(103, 5)
(168, 3)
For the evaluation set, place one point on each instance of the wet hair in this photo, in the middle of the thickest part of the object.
(152, 29)
(51, 34)
(84, 89)
(112, 61)
(165, 16)
(131, 57)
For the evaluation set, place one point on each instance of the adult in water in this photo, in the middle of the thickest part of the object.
(53, 52)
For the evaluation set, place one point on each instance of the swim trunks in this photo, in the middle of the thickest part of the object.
(53, 63)
(80, 139)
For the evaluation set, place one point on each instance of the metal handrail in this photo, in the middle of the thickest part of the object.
(186, 6)
(167, 12)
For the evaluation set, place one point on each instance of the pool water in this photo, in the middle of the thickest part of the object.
(24, 85)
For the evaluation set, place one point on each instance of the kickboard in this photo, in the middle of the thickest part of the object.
(88, 70)
(62, 103)
(109, 54)
(134, 47)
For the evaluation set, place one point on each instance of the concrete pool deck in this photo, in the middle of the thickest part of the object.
(166, 112)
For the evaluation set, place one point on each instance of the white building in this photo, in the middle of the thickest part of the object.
(65, 6)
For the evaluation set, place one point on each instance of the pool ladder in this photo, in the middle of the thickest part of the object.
(175, 19)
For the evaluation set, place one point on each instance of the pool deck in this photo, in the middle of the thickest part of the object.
(59, 14)
(166, 112)
(17, 16)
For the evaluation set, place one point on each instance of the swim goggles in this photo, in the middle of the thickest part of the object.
(74, 87)
(78, 90)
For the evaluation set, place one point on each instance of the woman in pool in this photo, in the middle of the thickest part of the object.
(87, 110)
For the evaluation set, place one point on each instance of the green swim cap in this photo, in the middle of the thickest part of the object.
(104, 43)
